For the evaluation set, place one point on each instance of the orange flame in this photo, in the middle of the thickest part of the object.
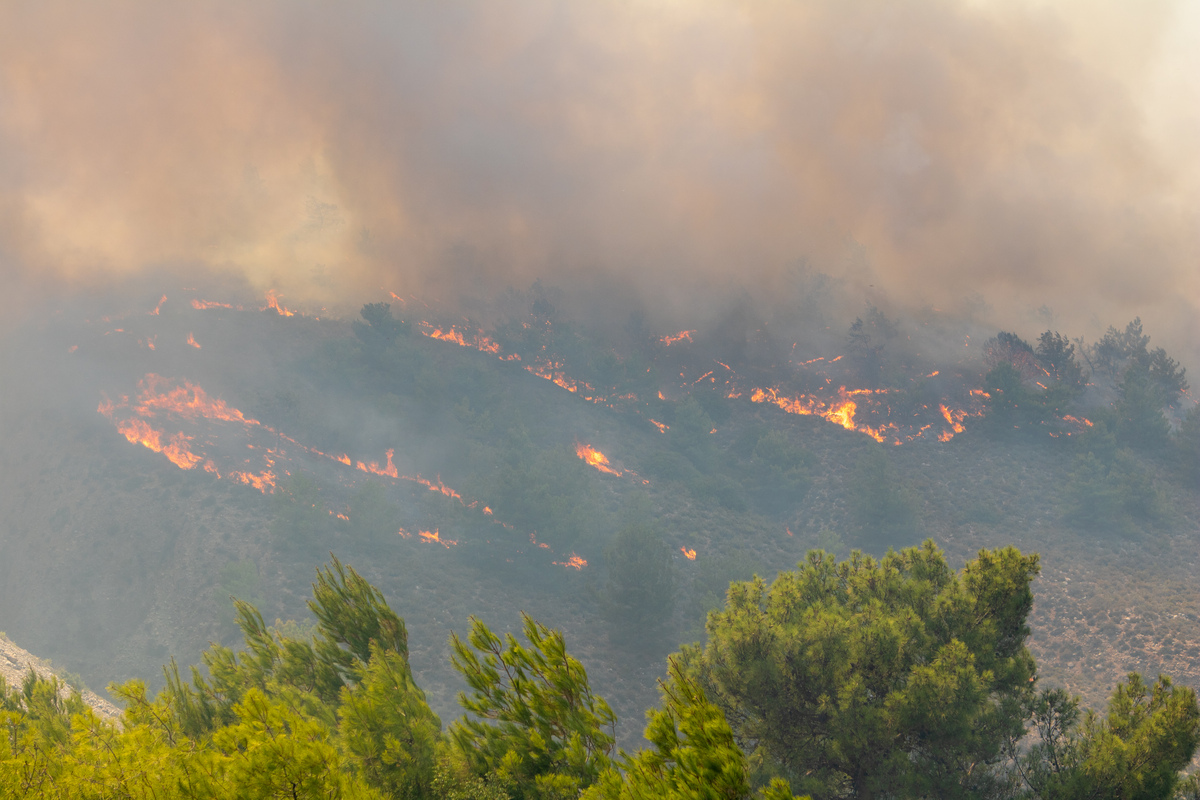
(374, 468)
(840, 410)
(574, 562)
(176, 449)
(434, 487)
(954, 418)
(203, 305)
(661, 427)
(479, 340)
(157, 308)
(433, 537)
(594, 458)
(265, 482)
(688, 553)
(188, 401)
(671, 339)
(192, 341)
(273, 303)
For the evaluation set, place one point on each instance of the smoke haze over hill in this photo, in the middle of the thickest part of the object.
(1033, 154)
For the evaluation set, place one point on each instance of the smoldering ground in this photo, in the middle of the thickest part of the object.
(1035, 154)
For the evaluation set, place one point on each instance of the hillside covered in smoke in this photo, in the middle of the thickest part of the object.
(589, 311)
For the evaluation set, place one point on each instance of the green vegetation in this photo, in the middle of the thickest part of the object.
(865, 677)
(894, 678)
(640, 592)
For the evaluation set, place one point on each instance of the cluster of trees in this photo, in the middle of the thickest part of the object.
(859, 679)
(1110, 486)
(1034, 387)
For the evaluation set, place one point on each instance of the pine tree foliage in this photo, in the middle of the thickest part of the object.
(864, 677)
(898, 678)
(532, 721)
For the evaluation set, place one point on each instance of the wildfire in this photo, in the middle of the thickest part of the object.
(478, 340)
(176, 449)
(688, 553)
(661, 427)
(204, 305)
(594, 458)
(840, 410)
(433, 537)
(574, 562)
(682, 336)
(433, 487)
(188, 401)
(192, 341)
(264, 482)
(953, 418)
(373, 467)
(157, 308)
(273, 303)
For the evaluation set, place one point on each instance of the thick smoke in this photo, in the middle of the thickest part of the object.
(926, 152)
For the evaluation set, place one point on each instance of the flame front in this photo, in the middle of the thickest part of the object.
(574, 562)
(688, 553)
(595, 458)
(192, 341)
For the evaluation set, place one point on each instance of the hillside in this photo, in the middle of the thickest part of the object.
(145, 485)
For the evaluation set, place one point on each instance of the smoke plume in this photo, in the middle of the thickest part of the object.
(1033, 154)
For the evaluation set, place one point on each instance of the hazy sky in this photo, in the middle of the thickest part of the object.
(1034, 153)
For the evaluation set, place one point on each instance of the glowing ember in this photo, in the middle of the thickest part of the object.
(682, 336)
(688, 553)
(192, 341)
(594, 458)
(434, 538)
(574, 562)
(273, 303)
(661, 427)
(789, 531)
